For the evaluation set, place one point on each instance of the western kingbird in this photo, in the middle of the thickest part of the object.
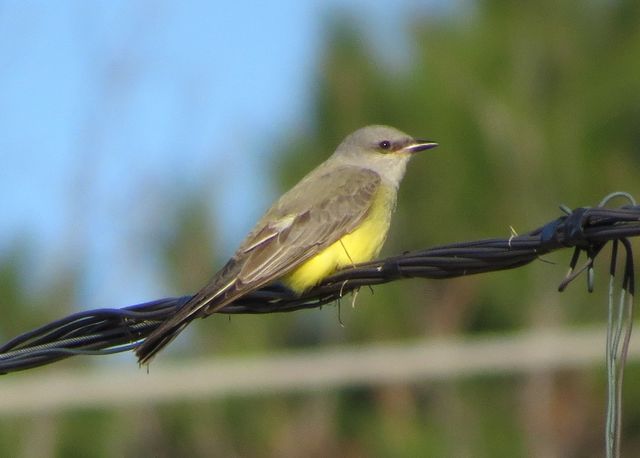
(336, 216)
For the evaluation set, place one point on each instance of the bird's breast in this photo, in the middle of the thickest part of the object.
(361, 245)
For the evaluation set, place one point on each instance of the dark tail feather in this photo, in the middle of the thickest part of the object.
(206, 301)
(169, 330)
(158, 339)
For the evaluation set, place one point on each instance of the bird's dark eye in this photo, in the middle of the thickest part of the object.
(384, 144)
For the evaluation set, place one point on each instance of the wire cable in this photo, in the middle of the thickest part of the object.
(107, 331)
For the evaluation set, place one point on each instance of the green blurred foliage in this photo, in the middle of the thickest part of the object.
(26, 305)
(534, 104)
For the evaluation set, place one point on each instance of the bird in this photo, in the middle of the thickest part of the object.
(337, 216)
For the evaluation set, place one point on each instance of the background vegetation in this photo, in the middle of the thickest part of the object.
(534, 104)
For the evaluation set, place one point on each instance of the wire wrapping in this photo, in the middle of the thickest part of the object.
(107, 331)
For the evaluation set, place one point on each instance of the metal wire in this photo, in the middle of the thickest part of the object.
(106, 331)
(619, 326)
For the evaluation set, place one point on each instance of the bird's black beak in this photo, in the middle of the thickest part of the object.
(420, 145)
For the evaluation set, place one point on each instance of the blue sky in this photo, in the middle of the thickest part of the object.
(108, 109)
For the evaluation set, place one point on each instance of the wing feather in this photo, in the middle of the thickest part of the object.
(322, 223)
(324, 206)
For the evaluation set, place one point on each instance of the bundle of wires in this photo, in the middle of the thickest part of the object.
(107, 331)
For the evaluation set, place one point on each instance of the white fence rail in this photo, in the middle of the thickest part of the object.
(126, 385)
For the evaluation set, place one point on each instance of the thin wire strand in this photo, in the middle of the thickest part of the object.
(619, 326)
(610, 426)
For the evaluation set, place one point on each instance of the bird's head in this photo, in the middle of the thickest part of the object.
(384, 149)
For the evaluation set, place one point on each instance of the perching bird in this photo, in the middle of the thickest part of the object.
(336, 216)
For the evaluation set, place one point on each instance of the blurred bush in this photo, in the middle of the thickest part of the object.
(534, 104)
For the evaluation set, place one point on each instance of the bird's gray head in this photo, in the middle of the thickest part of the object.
(382, 149)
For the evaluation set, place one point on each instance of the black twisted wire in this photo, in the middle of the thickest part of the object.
(107, 331)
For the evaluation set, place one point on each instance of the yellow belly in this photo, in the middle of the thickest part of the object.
(361, 245)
